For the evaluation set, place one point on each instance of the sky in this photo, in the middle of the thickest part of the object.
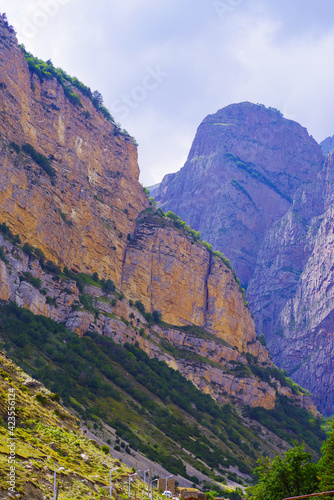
(163, 65)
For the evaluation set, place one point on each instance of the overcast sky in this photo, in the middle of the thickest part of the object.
(163, 65)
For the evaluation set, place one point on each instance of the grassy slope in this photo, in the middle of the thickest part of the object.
(41, 421)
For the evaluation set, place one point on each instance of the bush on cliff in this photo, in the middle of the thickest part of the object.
(40, 159)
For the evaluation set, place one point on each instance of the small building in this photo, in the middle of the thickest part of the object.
(191, 493)
(171, 486)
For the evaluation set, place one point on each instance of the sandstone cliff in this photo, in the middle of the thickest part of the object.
(243, 168)
(82, 220)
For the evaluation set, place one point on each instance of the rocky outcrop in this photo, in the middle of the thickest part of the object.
(113, 316)
(243, 168)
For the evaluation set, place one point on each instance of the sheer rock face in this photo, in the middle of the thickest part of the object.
(243, 168)
(291, 293)
(82, 220)
(184, 281)
(87, 217)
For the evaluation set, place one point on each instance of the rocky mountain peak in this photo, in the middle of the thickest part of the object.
(244, 166)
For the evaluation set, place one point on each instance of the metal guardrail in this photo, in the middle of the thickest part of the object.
(311, 495)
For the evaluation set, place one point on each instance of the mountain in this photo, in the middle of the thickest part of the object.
(244, 166)
(105, 298)
(275, 196)
(327, 145)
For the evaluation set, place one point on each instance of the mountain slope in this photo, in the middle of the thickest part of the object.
(152, 407)
(47, 437)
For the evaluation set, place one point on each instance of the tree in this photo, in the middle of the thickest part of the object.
(326, 465)
(291, 475)
(97, 99)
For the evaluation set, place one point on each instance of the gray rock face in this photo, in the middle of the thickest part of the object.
(245, 164)
(292, 290)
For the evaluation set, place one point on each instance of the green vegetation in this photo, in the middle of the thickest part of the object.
(83, 279)
(151, 318)
(253, 172)
(7, 233)
(293, 474)
(64, 217)
(326, 464)
(142, 398)
(262, 339)
(241, 188)
(288, 421)
(27, 276)
(180, 224)
(41, 160)
(15, 146)
(48, 437)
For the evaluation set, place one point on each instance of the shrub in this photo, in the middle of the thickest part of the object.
(5, 230)
(15, 146)
(51, 301)
(108, 286)
(27, 276)
(28, 249)
(157, 316)
(41, 160)
(52, 267)
(140, 306)
(105, 449)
